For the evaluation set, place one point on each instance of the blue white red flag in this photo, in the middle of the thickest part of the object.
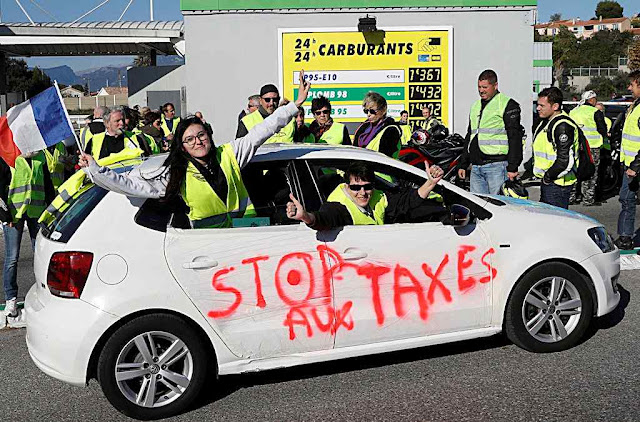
(34, 125)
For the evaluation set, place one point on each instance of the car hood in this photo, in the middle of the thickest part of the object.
(524, 205)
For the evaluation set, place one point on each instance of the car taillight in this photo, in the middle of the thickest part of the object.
(68, 272)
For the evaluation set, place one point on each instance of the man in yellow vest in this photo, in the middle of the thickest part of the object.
(591, 121)
(323, 128)
(169, 121)
(357, 202)
(631, 162)
(405, 126)
(493, 145)
(26, 189)
(114, 139)
(96, 125)
(555, 149)
(269, 101)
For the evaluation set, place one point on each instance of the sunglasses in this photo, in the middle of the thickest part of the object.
(271, 100)
(370, 111)
(356, 188)
(319, 112)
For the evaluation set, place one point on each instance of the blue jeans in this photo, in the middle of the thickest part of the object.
(12, 239)
(488, 178)
(627, 217)
(555, 195)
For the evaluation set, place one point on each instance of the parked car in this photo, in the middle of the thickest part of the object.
(126, 293)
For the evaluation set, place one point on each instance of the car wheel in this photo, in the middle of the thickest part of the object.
(153, 367)
(550, 309)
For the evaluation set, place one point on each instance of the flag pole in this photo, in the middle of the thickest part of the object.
(66, 113)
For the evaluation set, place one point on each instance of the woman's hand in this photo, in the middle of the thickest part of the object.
(435, 174)
(85, 160)
(296, 211)
(303, 90)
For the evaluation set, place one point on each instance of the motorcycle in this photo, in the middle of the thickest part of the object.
(437, 147)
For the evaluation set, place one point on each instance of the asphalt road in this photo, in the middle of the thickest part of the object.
(486, 379)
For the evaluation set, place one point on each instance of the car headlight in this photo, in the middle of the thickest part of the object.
(600, 236)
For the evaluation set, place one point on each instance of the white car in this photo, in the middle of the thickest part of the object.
(150, 309)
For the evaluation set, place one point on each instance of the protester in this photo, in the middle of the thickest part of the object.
(169, 121)
(269, 101)
(302, 134)
(95, 126)
(253, 105)
(131, 124)
(114, 139)
(324, 129)
(493, 145)
(152, 126)
(207, 179)
(26, 190)
(357, 202)
(555, 149)
(591, 121)
(199, 115)
(430, 121)
(405, 127)
(378, 132)
(631, 160)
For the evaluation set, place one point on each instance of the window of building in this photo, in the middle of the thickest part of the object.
(601, 27)
(616, 26)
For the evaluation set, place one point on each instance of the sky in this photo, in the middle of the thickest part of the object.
(70, 10)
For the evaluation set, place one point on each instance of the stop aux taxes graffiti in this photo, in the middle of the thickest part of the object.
(410, 67)
(296, 283)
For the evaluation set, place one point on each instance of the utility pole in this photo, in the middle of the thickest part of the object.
(151, 10)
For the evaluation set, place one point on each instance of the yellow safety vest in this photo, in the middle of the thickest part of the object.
(56, 168)
(285, 135)
(488, 124)
(544, 152)
(130, 142)
(206, 208)
(584, 116)
(630, 136)
(26, 190)
(152, 142)
(333, 136)
(165, 127)
(378, 204)
(406, 134)
(79, 183)
(85, 136)
(374, 145)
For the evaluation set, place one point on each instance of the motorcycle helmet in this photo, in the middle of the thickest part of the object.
(420, 137)
(514, 189)
(439, 132)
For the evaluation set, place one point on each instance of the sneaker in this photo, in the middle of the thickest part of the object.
(624, 243)
(11, 308)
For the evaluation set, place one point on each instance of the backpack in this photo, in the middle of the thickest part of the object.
(586, 166)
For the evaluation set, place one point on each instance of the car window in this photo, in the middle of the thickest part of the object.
(328, 174)
(81, 205)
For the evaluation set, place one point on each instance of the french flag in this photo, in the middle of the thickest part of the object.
(34, 125)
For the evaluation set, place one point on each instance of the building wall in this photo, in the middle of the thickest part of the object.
(232, 55)
(172, 81)
(85, 103)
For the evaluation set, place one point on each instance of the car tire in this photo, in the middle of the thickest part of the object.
(550, 309)
(162, 365)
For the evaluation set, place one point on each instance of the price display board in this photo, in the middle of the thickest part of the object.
(410, 67)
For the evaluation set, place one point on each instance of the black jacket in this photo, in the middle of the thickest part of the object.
(390, 138)
(404, 207)
(472, 154)
(562, 141)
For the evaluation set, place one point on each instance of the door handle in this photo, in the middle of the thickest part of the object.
(199, 265)
(353, 254)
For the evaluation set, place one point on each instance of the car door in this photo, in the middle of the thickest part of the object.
(261, 288)
(399, 281)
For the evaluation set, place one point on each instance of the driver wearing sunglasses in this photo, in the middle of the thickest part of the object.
(323, 128)
(358, 202)
(269, 102)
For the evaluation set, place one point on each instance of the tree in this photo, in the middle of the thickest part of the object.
(635, 22)
(565, 55)
(604, 48)
(21, 79)
(605, 87)
(142, 61)
(634, 56)
(555, 17)
(79, 87)
(609, 9)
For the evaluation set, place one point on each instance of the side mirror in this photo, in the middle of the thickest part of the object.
(460, 215)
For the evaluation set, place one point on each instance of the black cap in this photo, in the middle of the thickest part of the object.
(268, 88)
